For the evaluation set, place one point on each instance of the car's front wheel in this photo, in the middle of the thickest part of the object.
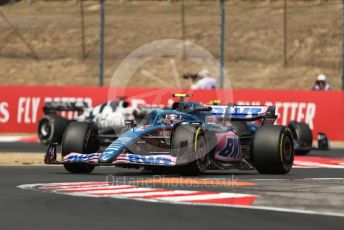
(80, 137)
(190, 146)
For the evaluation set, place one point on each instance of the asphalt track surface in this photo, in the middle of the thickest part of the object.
(28, 209)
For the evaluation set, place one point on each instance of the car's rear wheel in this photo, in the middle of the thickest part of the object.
(51, 127)
(80, 137)
(190, 146)
(303, 135)
(273, 150)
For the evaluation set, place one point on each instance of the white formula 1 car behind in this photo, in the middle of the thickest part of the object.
(110, 117)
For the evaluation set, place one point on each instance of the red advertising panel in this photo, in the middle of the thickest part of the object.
(21, 107)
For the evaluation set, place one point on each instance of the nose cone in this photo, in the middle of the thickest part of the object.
(117, 147)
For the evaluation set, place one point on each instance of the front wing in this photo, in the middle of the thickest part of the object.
(121, 159)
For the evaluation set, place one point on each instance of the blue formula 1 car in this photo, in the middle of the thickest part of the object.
(188, 138)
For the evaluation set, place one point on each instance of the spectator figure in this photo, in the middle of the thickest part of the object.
(320, 83)
(201, 80)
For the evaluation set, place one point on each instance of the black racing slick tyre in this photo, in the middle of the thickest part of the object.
(80, 137)
(303, 135)
(190, 147)
(273, 150)
(51, 127)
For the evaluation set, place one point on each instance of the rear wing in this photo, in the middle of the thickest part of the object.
(53, 107)
(246, 112)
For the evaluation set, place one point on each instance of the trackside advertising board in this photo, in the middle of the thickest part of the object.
(21, 106)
